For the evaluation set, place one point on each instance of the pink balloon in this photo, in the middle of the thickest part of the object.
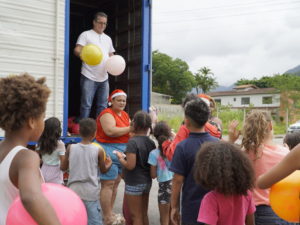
(66, 203)
(115, 65)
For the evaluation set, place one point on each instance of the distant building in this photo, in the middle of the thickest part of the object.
(244, 96)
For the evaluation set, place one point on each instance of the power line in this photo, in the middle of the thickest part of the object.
(226, 6)
(213, 28)
(225, 16)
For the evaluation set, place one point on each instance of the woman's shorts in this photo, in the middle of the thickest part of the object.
(138, 189)
(164, 192)
(116, 167)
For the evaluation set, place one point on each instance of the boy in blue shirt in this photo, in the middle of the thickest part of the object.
(196, 115)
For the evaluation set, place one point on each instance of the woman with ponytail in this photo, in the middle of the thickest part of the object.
(159, 169)
(264, 153)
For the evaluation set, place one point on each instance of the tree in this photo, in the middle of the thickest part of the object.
(205, 80)
(171, 76)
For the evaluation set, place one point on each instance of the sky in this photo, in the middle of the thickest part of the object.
(235, 39)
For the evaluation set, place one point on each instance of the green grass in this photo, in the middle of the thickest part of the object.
(226, 116)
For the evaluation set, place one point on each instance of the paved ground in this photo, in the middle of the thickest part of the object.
(153, 207)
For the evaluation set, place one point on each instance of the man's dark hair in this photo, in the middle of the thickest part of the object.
(223, 167)
(197, 112)
(99, 14)
(87, 127)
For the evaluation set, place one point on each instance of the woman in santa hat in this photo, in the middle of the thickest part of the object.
(113, 126)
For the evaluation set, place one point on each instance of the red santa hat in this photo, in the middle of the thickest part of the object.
(115, 93)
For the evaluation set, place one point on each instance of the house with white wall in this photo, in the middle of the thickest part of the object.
(244, 96)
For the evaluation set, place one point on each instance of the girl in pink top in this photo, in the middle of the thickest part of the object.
(264, 154)
(226, 170)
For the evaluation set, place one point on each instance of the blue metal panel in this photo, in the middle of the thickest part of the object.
(66, 68)
(146, 54)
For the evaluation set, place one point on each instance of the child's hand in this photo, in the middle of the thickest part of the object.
(108, 161)
(233, 132)
(120, 155)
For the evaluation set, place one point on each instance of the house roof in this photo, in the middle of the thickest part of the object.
(245, 86)
(248, 92)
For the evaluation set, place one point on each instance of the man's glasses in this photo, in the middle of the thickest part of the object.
(101, 23)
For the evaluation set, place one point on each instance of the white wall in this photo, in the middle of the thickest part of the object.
(255, 100)
(32, 40)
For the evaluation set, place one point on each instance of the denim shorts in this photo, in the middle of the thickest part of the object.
(93, 212)
(138, 189)
(264, 215)
(116, 167)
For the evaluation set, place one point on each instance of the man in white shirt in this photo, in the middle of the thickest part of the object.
(94, 79)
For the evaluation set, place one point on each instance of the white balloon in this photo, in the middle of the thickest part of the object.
(115, 65)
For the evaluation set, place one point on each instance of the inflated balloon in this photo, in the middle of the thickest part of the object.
(91, 54)
(68, 206)
(99, 146)
(115, 65)
(284, 197)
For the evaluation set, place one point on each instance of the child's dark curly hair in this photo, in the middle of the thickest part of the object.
(22, 97)
(162, 132)
(141, 121)
(197, 112)
(50, 136)
(224, 167)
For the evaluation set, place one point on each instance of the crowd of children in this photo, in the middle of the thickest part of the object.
(202, 179)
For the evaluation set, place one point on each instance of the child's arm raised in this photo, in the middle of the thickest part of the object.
(25, 174)
(104, 165)
(288, 165)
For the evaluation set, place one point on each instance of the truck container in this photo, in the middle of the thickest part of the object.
(38, 37)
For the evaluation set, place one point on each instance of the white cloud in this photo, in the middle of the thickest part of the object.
(234, 39)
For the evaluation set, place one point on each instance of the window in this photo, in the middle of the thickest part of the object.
(267, 100)
(218, 101)
(234, 99)
(246, 101)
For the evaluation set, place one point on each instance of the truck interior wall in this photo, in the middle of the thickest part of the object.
(124, 27)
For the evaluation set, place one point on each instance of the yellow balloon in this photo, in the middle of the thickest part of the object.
(284, 197)
(91, 54)
(102, 149)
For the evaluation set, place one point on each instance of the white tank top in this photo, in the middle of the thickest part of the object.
(8, 192)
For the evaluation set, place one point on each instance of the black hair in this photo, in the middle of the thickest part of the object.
(292, 139)
(87, 127)
(224, 167)
(162, 132)
(50, 136)
(197, 111)
(141, 121)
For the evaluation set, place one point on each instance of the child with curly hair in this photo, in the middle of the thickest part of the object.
(22, 111)
(136, 168)
(223, 168)
(52, 151)
(160, 170)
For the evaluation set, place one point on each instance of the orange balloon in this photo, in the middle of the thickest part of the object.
(99, 146)
(284, 198)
